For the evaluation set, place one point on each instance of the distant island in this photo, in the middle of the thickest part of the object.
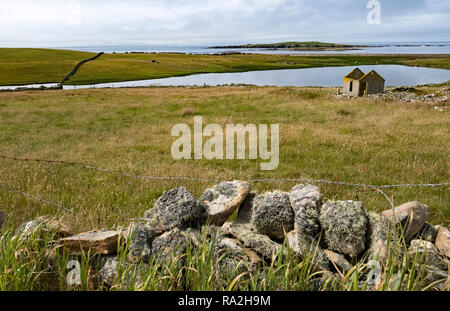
(304, 46)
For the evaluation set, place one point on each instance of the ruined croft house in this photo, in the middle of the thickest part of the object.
(357, 83)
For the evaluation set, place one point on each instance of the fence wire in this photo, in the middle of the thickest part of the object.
(37, 199)
(196, 179)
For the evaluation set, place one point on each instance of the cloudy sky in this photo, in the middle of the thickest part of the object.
(56, 23)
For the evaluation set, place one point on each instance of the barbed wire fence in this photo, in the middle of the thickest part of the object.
(196, 179)
(37, 198)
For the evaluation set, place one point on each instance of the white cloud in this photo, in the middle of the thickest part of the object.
(101, 22)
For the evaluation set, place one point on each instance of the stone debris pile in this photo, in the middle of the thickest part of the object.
(410, 95)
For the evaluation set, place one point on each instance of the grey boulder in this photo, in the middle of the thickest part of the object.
(304, 248)
(306, 201)
(177, 208)
(428, 233)
(139, 237)
(427, 252)
(412, 216)
(169, 247)
(259, 243)
(273, 215)
(443, 241)
(223, 199)
(344, 225)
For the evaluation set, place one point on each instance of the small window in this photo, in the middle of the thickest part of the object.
(351, 86)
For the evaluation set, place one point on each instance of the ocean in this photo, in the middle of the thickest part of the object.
(375, 48)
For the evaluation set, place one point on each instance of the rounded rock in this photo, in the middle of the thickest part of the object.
(412, 216)
(273, 215)
(223, 199)
(306, 201)
(344, 226)
(140, 238)
(177, 208)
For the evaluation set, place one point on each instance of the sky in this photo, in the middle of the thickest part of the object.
(75, 23)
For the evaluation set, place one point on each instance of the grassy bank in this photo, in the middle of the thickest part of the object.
(128, 130)
(21, 66)
(28, 66)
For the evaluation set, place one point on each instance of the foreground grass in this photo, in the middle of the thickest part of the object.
(36, 263)
(22, 66)
(28, 66)
(128, 130)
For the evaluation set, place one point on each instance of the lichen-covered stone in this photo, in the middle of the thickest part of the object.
(93, 242)
(344, 226)
(304, 247)
(107, 275)
(43, 226)
(379, 233)
(153, 223)
(259, 243)
(426, 251)
(341, 263)
(139, 237)
(428, 233)
(170, 246)
(273, 215)
(325, 281)
(232, 258)
(372, 275)
(443, 241)
(223, 199)
(177, 208)
(306, 201)
(245, 210)
(197, 238)
(412, 216)
(439, 278)
(397, 283)
(121, 276)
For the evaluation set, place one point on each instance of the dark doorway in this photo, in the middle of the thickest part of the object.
(362, 88)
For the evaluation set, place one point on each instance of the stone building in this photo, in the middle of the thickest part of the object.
(356, 83)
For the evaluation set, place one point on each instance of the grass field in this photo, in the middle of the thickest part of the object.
(28, 66)
(127, 67)
(128, 130)
(22, 66)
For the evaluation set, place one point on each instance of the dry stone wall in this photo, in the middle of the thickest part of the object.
(339, 234)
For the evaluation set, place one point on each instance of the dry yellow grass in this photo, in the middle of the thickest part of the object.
(128, 130)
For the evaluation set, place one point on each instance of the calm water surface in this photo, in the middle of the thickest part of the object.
(395, 75)
(374, 48)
